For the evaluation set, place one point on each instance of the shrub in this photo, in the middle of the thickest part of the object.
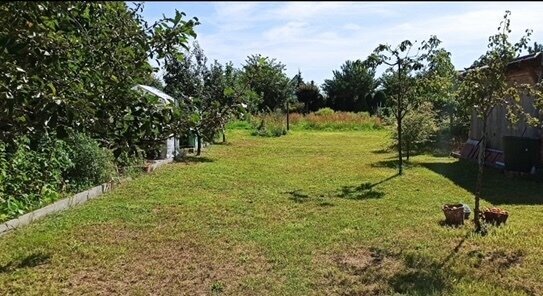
(325, 111)
(297, 107)
(35, 174)
(418, 130)
(451, 136)
(130, 164)
(93, 164)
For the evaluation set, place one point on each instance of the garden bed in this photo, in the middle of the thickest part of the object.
(69, 202)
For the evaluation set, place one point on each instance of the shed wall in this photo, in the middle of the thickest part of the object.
(498, 126)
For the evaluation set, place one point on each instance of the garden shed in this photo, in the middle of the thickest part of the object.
(171, 145)
(526, 69)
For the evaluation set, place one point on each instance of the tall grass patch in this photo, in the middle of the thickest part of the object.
(327, 120)
(269, 125)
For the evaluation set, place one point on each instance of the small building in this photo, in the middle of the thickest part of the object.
(526, 69)
(171, 145)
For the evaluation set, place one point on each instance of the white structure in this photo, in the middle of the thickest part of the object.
(172, 144)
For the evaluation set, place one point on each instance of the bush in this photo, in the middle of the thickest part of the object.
(419, 129)
(296, 107)
(451, 136)
(130, 164)
(325, 111)
(35, 174)
(93, 165)
(41, 170)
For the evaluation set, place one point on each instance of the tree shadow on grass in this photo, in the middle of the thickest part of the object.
(298, 196)
(382, 151)
(455, 250)
(363, 191)
(376, 271)
(393, 163)
(426, 276)
(422, 276)
(356, 192)
(497, 188)
(32, 260)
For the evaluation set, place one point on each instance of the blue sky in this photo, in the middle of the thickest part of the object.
(317, 37)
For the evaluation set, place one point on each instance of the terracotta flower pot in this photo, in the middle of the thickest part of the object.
(495, 216)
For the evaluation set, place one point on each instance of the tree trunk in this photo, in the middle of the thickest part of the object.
(288, 119)
(223, 135)
(399, 120)
(400, 157)
(199, 145)
(479, 184)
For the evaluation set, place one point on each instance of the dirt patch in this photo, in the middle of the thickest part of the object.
(181, 267)
(494, 266)
(361, 272)
(375, 271)
(499, 260)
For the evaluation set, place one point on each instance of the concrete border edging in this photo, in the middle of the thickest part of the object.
(69, 202)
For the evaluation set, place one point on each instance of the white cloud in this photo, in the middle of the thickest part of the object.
(352, 27)
(287, 32)
(318, 37)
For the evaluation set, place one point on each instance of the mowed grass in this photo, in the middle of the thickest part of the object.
(310, 213)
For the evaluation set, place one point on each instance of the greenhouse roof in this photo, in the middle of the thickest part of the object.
(154, 91)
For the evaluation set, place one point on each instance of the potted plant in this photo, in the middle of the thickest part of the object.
(454, 214)
(495, 215)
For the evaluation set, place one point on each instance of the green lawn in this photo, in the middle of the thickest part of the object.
(311, 213)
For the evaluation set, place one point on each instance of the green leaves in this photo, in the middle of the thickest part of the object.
(487, 85)
(350, 86)
(267, 77)
(70, 66)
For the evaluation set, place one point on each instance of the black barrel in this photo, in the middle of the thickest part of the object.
(521, 154)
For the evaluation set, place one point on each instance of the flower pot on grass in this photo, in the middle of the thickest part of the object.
(454, 214)
(495, 216)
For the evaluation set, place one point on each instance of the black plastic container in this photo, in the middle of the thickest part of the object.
(521, 154)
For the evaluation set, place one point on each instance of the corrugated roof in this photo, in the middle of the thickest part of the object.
(528, 57)
(154, 91)
(514, 62)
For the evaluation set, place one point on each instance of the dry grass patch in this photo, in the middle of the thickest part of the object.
(183, 267)
(360, 272)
